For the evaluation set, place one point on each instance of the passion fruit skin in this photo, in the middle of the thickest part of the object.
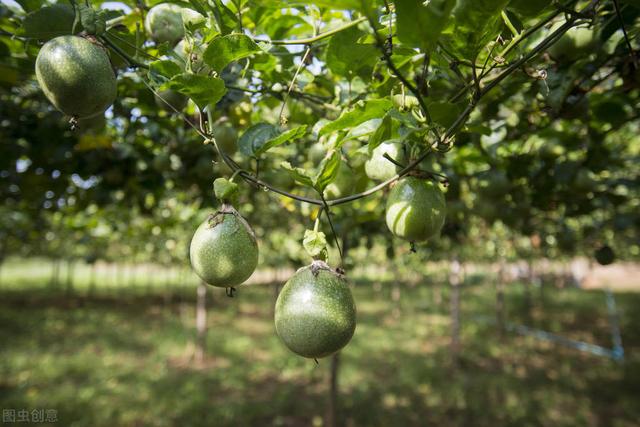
(416, 209)
(76, 76)
(224, 251)
(315, 314)
(378, 167)
(164, 23)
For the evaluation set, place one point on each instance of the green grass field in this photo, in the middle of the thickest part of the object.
(123, 356)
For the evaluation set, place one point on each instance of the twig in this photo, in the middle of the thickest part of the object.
(634, 60)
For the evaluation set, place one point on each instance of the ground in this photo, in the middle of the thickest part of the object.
(124, 356)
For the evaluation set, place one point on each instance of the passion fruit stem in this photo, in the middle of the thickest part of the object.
(230, 291)
(318, 265)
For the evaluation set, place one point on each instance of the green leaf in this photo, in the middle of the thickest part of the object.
(315, 243)
(299, 174)
(30, 5)
(290, 135)
(381, 134)
(363, 129)
(256, 137)
(476, 23)
(203, 90)
(363, 111)
(226, 49)
(420, 23)
(163, 70)
(444, 113)
(346, 57)
(49, 22)
(198, 6)
(327, 171)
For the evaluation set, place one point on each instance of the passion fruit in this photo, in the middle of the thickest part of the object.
(315, 314)
(416, 209)
(224, 251)
(379, 168)
(164, 23)
(76, 76)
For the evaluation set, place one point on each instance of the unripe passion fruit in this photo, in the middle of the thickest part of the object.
(378, 167)
(76, 76)
(315, 314)
(224, 251)
(164, 23)
(416, 209)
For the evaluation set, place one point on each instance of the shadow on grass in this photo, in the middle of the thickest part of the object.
(126, 360)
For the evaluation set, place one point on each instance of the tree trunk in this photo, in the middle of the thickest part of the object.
(332, 406)
(70, 271)
(92, 279)
(201, 322)
(500, 315)
(454, 281)
(55, 273)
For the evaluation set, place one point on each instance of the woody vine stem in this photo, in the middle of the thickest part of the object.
(443, 142)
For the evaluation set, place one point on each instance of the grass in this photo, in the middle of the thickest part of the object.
(123, 356)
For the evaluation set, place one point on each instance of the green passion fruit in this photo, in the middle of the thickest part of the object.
(76, 76)
(224, 251)
(377, 167)
(416, 209)
(164, 23)
(315, 314)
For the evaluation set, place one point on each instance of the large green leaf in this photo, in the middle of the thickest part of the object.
(226, 49)
(475, 23)
(264, 136)
(160, 71)
(203, 90)
(420, 23)
(49, 22)
(345, 56)
(255, 137)
(375, 108)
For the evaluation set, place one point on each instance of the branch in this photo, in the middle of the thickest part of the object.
(634, 60)
(414, 90)
(314, 39)
(124, 55)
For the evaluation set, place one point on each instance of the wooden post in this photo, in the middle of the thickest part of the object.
(201, 322)
(332, 405)
(454, 281)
